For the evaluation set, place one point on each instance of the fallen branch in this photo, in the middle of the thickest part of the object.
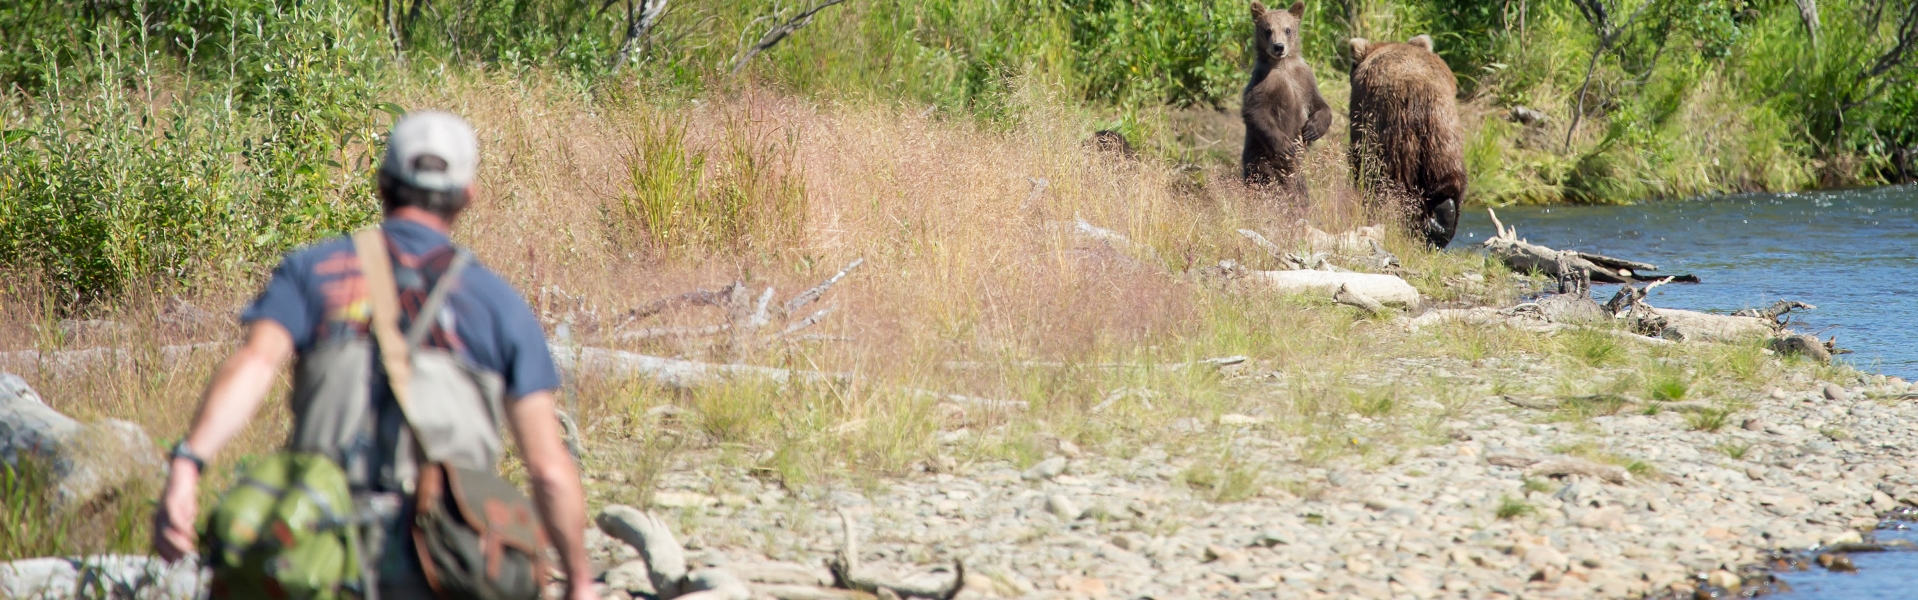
(1524, 257)
(809, 296)
(809, 321)
(779, 32)
(1773, 312)
(847, 573)
(1113, 239)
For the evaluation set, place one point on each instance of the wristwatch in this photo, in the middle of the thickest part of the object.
(180, 450)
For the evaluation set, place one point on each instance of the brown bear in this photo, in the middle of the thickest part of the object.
(1283, 110)
(1405, 134)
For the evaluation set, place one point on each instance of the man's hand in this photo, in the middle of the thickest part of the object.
(179, 506)
(230, 400)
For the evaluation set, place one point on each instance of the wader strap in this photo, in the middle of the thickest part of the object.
(429, 312)
(382, 294)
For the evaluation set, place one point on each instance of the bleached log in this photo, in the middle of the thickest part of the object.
(675, 373)
(1345, 295)
(1209, 363)
(1386, 289)
(63, 363)
(1690, 326)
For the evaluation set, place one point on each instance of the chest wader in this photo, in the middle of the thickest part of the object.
(431, 500)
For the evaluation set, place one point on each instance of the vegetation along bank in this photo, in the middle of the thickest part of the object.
(1013, 301)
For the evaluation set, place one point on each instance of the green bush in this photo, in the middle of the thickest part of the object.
(155, 140)
(105, 181)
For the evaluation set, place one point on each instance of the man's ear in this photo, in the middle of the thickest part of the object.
(1359, 48)
(1258, 10)
(1422, 41)
(1297, 10)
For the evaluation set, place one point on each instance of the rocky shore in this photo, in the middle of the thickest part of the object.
(1512, 502)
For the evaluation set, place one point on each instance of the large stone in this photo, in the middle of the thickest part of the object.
(1046, 469)
(86, 460)
(118, 576)
(665, 558)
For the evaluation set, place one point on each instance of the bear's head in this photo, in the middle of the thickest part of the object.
(1276, 32)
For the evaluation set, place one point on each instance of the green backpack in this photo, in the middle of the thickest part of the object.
(285, 530)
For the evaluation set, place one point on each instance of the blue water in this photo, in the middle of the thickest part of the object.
(1852, 253)
(1880, 575)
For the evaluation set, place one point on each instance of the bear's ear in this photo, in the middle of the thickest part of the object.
(1359, 48)
(1422, 41)
(1258, 10)
(1297, 10)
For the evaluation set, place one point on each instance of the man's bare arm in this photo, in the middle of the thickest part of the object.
(230, 401)
(556, 488)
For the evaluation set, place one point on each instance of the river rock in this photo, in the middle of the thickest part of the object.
(1046, 469)
(631, 576)
(117, 575)
(86, 460)
(1836, 393)
(714, 584)
(1061, 506)
(1610, 517)
(664, 557)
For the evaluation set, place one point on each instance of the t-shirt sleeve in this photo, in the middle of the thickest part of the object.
(529, 364)
(283, 302)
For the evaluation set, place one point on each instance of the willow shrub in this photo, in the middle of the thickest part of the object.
(117, 167)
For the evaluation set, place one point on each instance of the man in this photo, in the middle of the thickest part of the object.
(317, 299)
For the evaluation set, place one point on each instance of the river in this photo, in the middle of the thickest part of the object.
(1851, 253)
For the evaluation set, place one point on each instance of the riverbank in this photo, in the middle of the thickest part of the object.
(1465, 513)
(1005, 302)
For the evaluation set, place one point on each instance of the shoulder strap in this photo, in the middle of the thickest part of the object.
(382, 295)
(436, 299)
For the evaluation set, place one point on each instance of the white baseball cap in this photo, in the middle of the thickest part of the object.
(437, 134)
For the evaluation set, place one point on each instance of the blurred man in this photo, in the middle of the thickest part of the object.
(317, 303)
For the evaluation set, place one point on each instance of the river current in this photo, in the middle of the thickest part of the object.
(1852, 253)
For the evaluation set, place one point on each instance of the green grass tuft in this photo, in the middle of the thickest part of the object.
(1512, 508)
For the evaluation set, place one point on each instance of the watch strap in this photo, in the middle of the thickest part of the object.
(181, 450)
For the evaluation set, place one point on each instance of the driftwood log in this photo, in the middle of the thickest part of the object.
(1526, 257)
(1383, 289)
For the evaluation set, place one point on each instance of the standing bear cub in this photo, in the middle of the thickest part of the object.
(1282, 108)
(1405, 135)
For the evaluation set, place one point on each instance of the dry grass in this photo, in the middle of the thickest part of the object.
(965, 261)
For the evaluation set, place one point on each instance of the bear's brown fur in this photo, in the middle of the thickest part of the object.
(1405, 134)
(1282, 108)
